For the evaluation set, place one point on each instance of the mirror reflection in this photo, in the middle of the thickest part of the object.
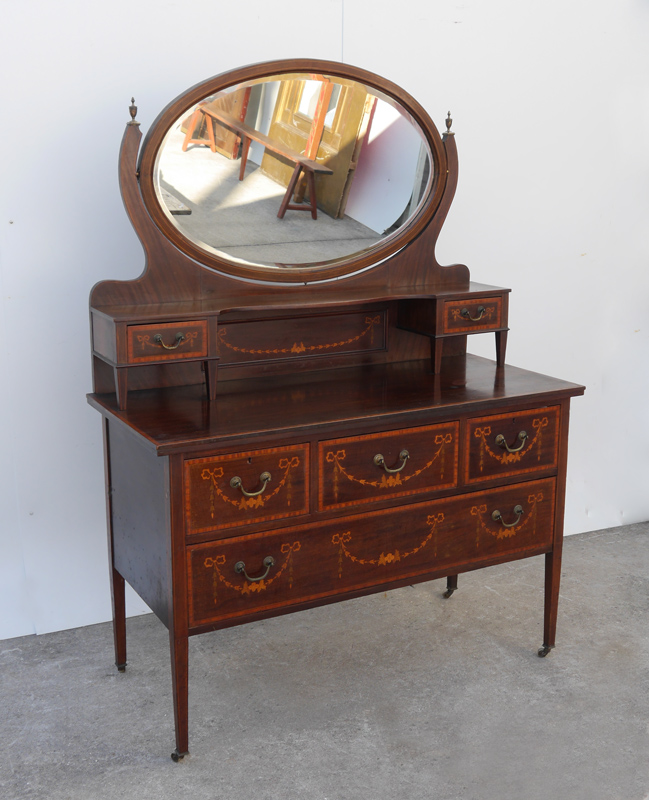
(292, 170)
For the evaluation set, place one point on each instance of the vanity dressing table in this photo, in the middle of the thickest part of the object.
(282, 429)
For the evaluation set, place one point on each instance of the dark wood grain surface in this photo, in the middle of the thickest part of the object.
(360, 552)
(297, 299)
(180, 418)
(278, 467)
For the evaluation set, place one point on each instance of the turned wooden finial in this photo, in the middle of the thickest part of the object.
(133, 111)
(449, 122)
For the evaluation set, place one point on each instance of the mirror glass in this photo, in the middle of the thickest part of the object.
(239, 173)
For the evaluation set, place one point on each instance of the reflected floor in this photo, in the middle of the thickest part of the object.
(239, 218)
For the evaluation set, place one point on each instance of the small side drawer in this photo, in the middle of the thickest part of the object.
(239, 576)
(240, 488)
(511, 444)
(476, 314)
(382, 466)
(166, 341)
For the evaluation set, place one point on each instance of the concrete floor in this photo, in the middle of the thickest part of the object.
(404, 695)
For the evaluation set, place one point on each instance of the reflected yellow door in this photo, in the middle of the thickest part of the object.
(326, 121)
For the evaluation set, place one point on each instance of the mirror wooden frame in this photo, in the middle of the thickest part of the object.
(298, 273)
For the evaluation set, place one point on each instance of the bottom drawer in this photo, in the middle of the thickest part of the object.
(309, 562)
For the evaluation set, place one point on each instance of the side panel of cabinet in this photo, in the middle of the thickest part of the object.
(140, 518)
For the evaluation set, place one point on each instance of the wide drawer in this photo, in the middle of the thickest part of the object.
(477, 314)
(166, 341)
(240, 488)
(299, 564)
(381, 466)
(511, 444)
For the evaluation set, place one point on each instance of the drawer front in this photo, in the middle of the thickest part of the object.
(382, 466)
(302, 337)
(511, 444)
(240, 488)
(477, 314)
(372, 549)
(166, 341)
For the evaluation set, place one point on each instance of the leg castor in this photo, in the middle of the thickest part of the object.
(176, 756)
(451, 585)
(543, 651)
(121, 667)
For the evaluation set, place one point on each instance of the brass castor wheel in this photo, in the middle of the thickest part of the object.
(176, 756)
(121, 667)
(448, 592)
(543, 651)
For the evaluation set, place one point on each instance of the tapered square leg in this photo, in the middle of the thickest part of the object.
(179, 677)
(552, 580)
(501, 347)
(117, 584)
(211, 373)
(119, 618)
(436, 350)
(121, 386)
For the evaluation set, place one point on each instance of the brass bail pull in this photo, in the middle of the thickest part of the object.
(236, 483)
(240, 569)
(379, 460)
(502, 442)
(498, 517)
(467, 314)
(180, 337)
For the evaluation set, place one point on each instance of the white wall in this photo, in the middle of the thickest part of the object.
(551, 108)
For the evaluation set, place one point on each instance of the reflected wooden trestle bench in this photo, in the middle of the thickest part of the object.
(248, 134)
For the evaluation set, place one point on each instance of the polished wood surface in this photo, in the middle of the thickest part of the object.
(242, 488)
(405, 462)
(360, 553)
(360, 399)
(271, 448)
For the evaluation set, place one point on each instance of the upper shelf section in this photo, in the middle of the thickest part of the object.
(328, 297)
(294, 172)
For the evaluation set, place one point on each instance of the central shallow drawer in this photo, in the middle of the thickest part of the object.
(362, 469)
(241, 488)
(247, 574)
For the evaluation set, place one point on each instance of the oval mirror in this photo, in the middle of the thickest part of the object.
(290, 172)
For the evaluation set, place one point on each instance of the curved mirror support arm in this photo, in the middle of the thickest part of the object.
(404, 258)
(166, 260)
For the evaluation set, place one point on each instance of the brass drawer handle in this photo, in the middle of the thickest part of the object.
(501, 442)
(180, 337)
(240, 568)
(379, 460)
(498, 517)
(467, 314)
(236, 483)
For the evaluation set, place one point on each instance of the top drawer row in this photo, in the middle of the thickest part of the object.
(263, 485)
(366, 468)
